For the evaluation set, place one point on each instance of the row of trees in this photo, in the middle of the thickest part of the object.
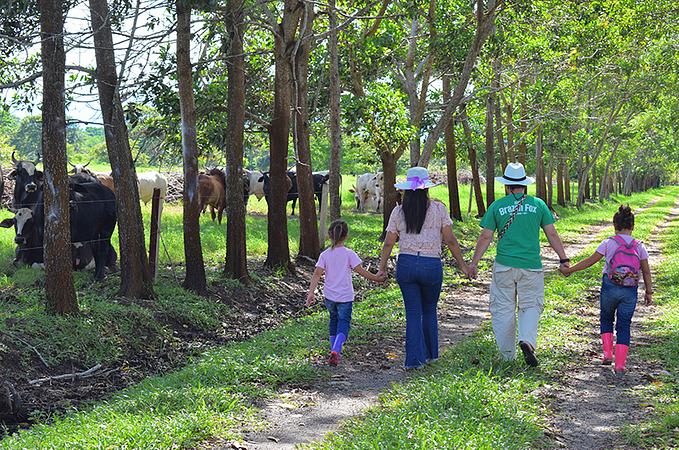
(582, 91)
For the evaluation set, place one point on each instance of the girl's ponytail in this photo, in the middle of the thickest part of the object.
(623, 219)
(338, 231)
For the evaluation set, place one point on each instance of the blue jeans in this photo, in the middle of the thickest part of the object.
(340, 317)
(420, 279)
(621, 299)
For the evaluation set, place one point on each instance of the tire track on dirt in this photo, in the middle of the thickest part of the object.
(591, 403)
(304, 414)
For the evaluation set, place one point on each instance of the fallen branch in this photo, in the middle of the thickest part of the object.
(12, 336)
(72, 376)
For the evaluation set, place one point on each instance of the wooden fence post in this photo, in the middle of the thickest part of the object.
(323, 232)
(155, 232)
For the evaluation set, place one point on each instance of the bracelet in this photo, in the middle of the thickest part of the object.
(564, 261)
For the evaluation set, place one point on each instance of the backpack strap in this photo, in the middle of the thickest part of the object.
(621, 241)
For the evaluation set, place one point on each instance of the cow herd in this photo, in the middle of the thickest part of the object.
(212, 188)
(92, 206)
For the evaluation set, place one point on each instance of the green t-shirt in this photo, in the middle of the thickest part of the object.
(520, 246)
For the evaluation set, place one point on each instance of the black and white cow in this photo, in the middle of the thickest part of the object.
(27, 180)
(293, 194)
(93, 217)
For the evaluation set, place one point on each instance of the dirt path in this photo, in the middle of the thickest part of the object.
(590, 402)
(305, 414)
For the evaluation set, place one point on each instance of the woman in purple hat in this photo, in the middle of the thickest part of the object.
(419, 225)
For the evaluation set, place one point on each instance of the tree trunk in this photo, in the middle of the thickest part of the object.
(550, 182)
(593, 182)
(511, 152)
(193, 251)
(334, 183)
(278, 253)
(59, 290)
(451, 160)
(584, 174)
(476, 181)
(309, 244)
(523, 127)
(136, 280)
(335, 180)
(497, 112)
(566, 181)
(560, 197)
(236, 266)
(540, 187)
(389, 161)
(606, 188)
(490, 151)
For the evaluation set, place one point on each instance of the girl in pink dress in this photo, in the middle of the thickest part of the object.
(338, 263)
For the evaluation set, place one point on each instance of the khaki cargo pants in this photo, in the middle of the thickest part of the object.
(510, 286)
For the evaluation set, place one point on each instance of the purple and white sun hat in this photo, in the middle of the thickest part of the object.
(416, 178)
(515, 174)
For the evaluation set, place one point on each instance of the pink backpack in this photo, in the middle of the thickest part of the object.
(624, 265)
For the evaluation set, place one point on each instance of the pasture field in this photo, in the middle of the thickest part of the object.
(212, 396)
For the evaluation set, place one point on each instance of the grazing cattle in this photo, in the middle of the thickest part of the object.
(93, 217)
(369, 192)
(147, 182)
(255, 183)
(291, 181)
(212, 192)
(104, 178)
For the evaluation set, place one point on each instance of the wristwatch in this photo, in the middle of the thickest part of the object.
(564, 261)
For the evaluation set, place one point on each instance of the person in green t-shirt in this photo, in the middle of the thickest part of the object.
(517, 272)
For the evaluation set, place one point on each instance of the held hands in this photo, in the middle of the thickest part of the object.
(471, 270)
(381, 276)
(565, 269)
(648, 297)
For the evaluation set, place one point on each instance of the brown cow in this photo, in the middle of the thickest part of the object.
(212, 192)
(104, 178)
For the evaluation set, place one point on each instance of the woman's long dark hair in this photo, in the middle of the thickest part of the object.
(415, 204)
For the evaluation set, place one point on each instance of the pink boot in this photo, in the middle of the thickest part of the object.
(607, 342)
(620, 358)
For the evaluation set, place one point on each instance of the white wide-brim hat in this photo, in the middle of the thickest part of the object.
(515, 174)
(416, 178)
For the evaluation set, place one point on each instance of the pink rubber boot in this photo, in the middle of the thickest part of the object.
(621, 358)
(607, 342)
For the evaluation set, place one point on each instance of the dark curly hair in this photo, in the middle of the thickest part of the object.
(623, 218)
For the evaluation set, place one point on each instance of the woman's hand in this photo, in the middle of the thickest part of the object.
(648, 297)
(310, 299)
(382, 275)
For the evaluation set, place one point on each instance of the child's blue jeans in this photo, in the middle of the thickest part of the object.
(340, 317)
(420, 279)
(621, 300)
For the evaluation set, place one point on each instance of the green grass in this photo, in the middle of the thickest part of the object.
(469, 399)
(213, 396)
(662, 430)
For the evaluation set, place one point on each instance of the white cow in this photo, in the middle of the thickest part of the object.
(256, 183)
(147, 182)
(369, 192)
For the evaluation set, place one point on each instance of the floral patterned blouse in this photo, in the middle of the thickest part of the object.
(428, 241)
